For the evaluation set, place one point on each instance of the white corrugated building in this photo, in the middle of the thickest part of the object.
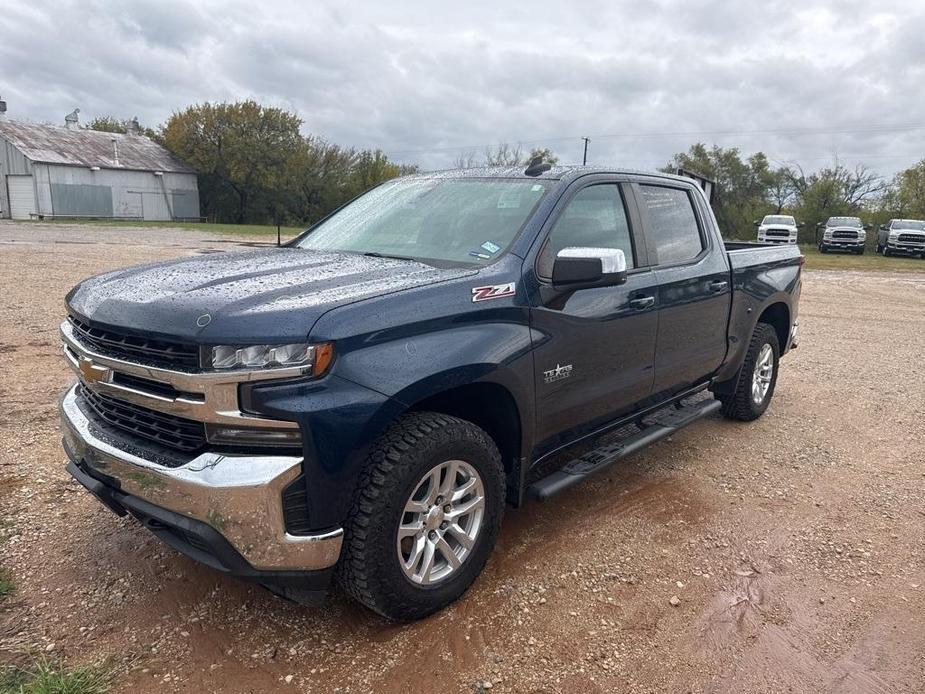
(48, 171)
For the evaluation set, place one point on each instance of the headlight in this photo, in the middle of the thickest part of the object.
(316, 358)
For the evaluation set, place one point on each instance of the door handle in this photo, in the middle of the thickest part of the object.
(641, 302)
(718, 285)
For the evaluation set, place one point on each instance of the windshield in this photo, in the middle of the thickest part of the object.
(909, 224)
(778, 219)
(844, 222)
(455, 220)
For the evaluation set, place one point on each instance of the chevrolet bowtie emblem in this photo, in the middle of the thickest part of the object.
(93, 373)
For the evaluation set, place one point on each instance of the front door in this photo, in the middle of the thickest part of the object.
(595, 348)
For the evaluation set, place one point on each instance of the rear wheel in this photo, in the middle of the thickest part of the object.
(757, 377)
(425, 518)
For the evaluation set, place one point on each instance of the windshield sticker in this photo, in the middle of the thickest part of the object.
(491, 247)
(509, 199)
(479, 254)
(493, 291)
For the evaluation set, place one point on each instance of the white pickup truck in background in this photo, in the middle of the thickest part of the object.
(778, 228)
(843, 234)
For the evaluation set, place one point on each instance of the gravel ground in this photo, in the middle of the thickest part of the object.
(781, 555)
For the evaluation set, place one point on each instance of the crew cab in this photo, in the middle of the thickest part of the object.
(843, 234)
(902, 236)
(363, 402)
(778, 228)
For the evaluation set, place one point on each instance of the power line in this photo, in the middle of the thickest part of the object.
(866, 129)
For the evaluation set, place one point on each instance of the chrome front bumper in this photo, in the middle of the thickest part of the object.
(240, 496)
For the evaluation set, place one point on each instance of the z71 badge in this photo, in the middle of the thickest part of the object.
(494, 291)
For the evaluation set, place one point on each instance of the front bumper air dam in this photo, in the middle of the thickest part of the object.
(222, 510)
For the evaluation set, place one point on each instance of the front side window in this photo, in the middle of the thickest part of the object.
(594, 218)
(439, 220)
(672, 223)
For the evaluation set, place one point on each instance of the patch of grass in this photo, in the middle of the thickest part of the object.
(870, 261)
(7, 587)
(233, 229)
(50, 677)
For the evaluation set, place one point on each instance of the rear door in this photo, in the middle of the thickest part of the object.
(593, 359)
(694, 292)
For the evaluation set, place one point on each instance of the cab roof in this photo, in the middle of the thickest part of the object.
(555, 173)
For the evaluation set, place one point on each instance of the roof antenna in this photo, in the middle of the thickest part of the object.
(537, 166)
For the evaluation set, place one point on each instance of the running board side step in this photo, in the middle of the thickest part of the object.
(652, 428)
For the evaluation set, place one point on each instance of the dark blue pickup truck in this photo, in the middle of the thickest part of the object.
(363, 402)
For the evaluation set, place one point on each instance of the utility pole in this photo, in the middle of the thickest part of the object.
(584, 159)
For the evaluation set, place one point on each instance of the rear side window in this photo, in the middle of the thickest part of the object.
(594, 218)
(673, 224)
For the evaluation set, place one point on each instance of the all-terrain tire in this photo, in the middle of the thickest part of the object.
(740, 404)
(369, 568)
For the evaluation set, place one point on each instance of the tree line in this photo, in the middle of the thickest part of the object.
(747, 188)
(255, 166)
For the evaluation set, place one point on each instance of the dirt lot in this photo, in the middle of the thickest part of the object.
(793, 544)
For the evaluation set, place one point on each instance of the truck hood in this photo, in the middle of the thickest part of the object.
(269, 295)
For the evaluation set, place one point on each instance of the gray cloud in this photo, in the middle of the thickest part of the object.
(800, 81)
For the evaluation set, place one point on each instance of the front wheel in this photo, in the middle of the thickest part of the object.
(757, 377)
(886, 252)
(425, 517)
(823, 249)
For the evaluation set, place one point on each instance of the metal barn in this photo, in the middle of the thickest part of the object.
(48, 171)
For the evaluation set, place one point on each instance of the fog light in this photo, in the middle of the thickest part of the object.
(220, 434)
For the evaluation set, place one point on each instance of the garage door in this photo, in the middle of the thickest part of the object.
(22, 196)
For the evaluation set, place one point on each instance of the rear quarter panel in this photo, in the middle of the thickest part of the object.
(762, 275)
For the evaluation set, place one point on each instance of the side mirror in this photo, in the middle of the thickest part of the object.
(577, 268)
(867, 227)
(800, 225)
(757, 223)
(883, 227)
(818, 225)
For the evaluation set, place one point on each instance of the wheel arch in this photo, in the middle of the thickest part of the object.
(492, 407)
(777, 315)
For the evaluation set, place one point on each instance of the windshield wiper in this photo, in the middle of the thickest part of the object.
(376, 254)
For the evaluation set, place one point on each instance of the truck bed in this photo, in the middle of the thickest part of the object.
(749, 254)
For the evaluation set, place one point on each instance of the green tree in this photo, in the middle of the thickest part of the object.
(742, 192)
(833, 191)
(110, 124)
(905, 196)
(543, 153)
(242, 152)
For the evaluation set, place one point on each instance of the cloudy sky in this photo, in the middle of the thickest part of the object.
(424, 81)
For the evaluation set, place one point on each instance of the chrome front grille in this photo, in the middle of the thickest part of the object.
(114, 343)
(852, 235)
(911, 238)
(173, 432)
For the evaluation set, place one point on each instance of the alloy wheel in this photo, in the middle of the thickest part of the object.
(441, 522)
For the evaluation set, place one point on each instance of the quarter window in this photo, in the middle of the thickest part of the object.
(594, 218)
(672, 223)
